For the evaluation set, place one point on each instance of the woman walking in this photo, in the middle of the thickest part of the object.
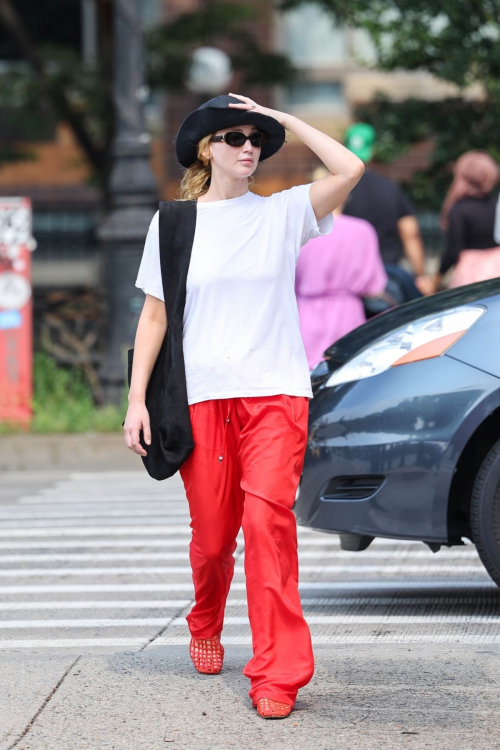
(471, 219)
(247, 379)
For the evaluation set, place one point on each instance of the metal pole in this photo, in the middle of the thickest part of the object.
(133, 196)
(89, 30)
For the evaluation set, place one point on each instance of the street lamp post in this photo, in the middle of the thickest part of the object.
(133, 196)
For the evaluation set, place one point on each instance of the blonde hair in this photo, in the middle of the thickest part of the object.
(196, 178)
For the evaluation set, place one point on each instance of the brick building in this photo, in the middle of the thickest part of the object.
(334, 76)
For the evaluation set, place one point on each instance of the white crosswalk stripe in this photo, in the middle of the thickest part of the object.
(75, 643)
(97, 604)
(82, 530)
(185, 569)
(138, 556)
(182, 540)
(101, 561)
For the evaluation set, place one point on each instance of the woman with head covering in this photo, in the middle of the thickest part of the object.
(246, 374)
(469, 215)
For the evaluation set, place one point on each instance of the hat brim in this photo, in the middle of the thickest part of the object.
(208, 120)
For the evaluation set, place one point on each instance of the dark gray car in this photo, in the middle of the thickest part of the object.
(404, 428)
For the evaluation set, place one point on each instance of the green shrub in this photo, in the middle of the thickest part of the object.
(63, 402)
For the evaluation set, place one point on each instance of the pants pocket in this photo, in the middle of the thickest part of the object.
(290, 401)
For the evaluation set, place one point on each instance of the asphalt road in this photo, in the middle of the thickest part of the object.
(95, 585)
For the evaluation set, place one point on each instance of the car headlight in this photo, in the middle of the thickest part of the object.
(423, 339)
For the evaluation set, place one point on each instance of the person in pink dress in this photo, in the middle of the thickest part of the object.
(333, 275)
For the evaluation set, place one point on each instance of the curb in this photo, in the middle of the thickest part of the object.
(98, 451)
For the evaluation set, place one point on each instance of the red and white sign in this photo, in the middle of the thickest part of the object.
(16, 326)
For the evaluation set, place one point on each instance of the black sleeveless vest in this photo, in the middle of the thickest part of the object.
(166, 396)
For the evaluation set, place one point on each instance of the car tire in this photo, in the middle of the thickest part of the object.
(485, 513)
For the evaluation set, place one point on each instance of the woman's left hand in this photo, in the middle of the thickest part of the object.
(251, 106)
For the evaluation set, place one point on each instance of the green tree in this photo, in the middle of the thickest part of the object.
(458, 41)
(52, 83)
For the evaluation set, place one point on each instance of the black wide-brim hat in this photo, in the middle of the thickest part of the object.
(217, 115)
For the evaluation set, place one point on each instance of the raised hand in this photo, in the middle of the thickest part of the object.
(250, 106)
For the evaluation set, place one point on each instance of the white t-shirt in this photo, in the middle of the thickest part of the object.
(241, 324)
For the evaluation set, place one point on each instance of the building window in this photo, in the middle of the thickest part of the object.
(315, 93)
(310, 38)
(150, 12)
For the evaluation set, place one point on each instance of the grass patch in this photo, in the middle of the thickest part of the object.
(63, 402)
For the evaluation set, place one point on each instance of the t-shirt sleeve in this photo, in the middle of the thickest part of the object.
(404, 205)
(149, 276)
(301, 222)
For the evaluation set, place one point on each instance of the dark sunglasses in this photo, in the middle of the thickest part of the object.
(236, 138)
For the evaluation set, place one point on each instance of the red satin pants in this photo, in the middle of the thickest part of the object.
(244, 471)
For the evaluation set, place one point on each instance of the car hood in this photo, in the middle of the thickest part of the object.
(382, 324)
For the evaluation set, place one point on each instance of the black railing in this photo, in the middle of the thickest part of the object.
(65, 235)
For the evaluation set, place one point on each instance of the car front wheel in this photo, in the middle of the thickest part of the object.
(485, 513)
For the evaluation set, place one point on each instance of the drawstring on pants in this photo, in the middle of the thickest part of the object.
(226, 422)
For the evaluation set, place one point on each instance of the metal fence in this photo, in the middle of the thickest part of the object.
(70, 236)
(64, 235)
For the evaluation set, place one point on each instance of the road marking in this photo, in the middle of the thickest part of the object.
(332, 540)
(62, 572)
(340, 601)
(61, 514)
(135, 556)
(54, 502)
(400, 555)
(129, 622)
(96, 531)
(95, 557)
(405, 638)
(305, 537)
(75, 523)
(186, 570)
(98, 604)
(76, 643)
(126, 492)
(385, 601)
(98, 544)
(349, 639)
(64, 588)
(403, 585)
(26, 504)
(132, 643)
(405, 569)
(333, 548)
(368, 586)
(53, 525)
(382, 619)
(343, 620)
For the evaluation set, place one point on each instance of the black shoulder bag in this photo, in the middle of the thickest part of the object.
(166, 395)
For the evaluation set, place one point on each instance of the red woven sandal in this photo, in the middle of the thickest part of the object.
(207, 654)
(270, 709)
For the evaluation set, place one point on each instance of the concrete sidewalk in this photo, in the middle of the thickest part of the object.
(368, 697)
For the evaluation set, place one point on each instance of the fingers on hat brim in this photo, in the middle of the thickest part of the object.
(209, 120)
